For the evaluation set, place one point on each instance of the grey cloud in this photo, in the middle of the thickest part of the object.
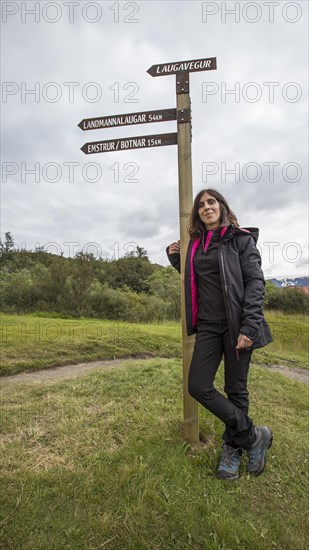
(107, 53)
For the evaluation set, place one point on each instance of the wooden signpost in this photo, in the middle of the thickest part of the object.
(135, 142)
(182, 70)
(176, 67)
(127, 119)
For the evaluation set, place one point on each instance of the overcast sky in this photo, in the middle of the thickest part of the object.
(87, 59)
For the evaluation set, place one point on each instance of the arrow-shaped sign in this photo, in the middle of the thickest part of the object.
(135, 142)
(194, 65)
(127, 119)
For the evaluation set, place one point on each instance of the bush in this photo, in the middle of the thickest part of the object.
(288, 300)
(19, 294)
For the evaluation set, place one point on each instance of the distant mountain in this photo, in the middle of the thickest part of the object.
(282, 282)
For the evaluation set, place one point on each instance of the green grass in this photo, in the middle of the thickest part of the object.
(31, 342)
(100, 462)
(291, 339)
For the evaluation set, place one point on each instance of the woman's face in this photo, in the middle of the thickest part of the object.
(209, 211)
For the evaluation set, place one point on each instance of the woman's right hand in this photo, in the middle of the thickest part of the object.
(174, 248)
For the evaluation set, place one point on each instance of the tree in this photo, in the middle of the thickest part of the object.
(139, 252)
(78, 282)
(19, 292)
(132, 272)
(165, 284)
(9, 244)
(51, 283)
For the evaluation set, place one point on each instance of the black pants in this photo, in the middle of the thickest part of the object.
(212, 342)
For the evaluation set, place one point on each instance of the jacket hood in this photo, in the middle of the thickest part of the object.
(232, 229)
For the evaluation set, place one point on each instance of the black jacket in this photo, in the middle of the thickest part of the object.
(242, 285)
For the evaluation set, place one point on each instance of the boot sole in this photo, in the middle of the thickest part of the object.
(218, 476)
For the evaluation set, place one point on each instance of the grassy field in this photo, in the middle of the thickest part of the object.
(35, 342)
(31, 342)
(291, 340)
(100, 462)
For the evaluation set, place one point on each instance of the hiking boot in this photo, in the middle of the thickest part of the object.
(257, 453)
(229, 464)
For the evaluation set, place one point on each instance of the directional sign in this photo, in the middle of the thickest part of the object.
(135, 142)
(127, 119)
(194, 65)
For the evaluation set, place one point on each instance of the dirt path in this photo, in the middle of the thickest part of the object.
(302, 375)
(72, 371)
(68, 371)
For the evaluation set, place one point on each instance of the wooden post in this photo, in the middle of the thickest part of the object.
(182, 71)
(190, 406)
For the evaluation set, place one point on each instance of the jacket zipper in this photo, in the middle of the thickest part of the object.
(226, 294)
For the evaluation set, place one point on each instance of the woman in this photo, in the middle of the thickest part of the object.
(224, 290)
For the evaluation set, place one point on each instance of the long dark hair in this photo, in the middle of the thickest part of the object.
(196, 226)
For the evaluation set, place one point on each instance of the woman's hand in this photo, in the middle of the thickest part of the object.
(174, 248)
(243, 342)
